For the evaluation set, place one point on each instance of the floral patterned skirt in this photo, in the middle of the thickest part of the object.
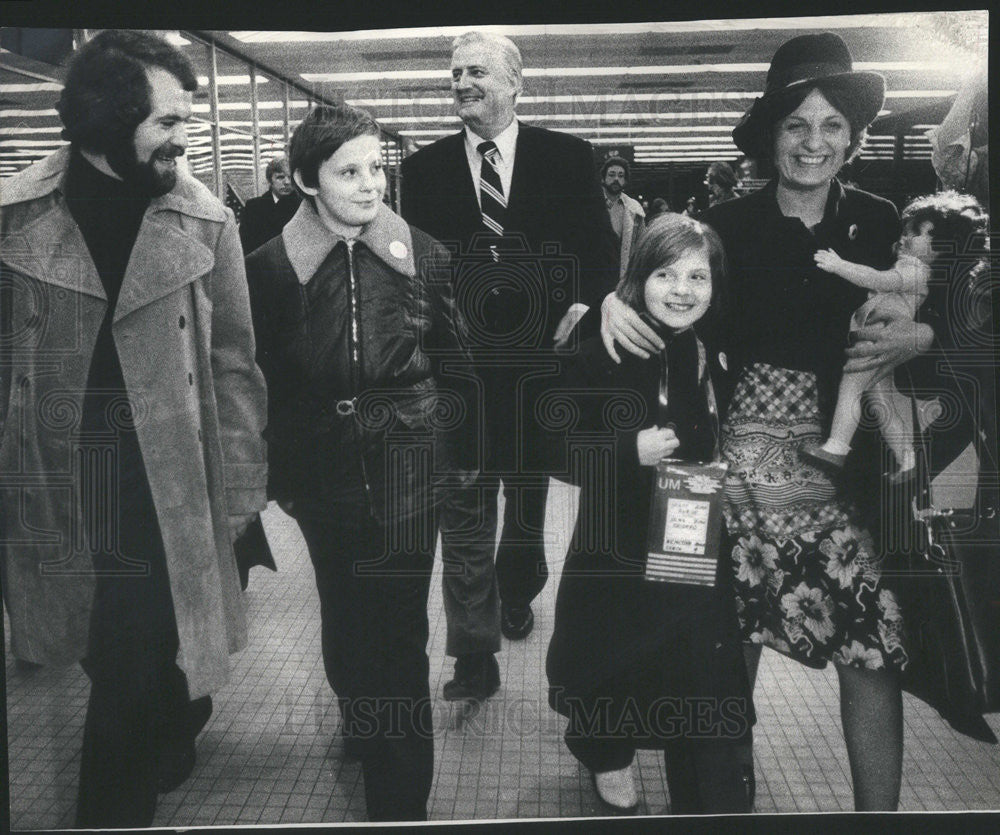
(805, 577)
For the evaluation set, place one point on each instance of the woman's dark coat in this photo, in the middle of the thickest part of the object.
(620, 640)
(787, 312)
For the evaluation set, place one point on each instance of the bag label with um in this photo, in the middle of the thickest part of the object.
(685, 523)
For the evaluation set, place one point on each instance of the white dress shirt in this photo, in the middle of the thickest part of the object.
(506, 142)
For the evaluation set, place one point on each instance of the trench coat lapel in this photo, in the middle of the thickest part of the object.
(163, 260)
(628, 229)
(52, 250)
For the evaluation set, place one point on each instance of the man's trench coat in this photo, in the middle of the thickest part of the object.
(183, 332)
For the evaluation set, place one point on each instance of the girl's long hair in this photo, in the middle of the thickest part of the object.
(665, 240)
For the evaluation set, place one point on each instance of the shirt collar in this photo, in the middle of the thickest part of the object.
(506, 141)
(834, 200)
(308, 242)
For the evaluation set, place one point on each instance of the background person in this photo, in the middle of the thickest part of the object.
(656, 208)
(265, 216)
(722, 183)
(807, 580)
(626, 214)
(352, 322)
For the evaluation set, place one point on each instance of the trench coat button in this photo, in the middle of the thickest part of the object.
(181, 322)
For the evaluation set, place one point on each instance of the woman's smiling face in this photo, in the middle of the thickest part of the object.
(810, 144)
(679, 294)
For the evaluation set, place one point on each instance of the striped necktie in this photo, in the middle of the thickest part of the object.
(491, 197)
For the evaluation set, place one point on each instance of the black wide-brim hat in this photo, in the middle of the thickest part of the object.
(821, 60)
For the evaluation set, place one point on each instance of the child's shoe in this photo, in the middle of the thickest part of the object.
(617, 789)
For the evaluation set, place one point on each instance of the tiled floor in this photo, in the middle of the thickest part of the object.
(271, 752)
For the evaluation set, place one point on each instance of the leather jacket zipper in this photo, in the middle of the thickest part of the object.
(354, 357)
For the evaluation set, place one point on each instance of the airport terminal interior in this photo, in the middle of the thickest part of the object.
(664, 96)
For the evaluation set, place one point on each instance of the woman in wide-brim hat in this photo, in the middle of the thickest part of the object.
(804, 559)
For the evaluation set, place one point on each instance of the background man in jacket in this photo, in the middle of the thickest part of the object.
(265, 216)
(131, 452)
(519, 208)
(626, 214)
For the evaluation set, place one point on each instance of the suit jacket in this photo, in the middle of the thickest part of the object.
(558, 246)
(264, 219)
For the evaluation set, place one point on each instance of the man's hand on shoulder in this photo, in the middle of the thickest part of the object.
(621, 324)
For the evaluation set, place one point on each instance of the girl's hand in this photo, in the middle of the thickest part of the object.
(621, 324)
(828, 260)
(655, 443)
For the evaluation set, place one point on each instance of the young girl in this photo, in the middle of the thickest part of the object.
(935, 226)
(634, 662)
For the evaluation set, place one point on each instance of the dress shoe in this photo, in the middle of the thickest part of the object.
(616, 789)
(516, 622)
(477, 677)
(176, 755)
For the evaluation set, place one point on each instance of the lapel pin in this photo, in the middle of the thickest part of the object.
(397, 249)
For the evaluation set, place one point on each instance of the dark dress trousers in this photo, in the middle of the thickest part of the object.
(263, 218)
(557, 248)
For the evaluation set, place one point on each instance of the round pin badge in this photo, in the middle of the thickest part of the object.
(397, 249)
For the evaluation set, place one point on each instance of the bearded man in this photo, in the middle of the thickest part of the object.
(131, 450)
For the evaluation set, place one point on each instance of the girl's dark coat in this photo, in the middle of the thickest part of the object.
(619, 640)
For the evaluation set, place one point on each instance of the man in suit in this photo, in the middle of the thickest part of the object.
(522, 212)
(265, 216)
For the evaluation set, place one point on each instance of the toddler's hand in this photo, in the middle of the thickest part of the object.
(827, 259)
(655, 443)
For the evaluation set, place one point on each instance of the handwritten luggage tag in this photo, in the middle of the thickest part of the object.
(685, 523)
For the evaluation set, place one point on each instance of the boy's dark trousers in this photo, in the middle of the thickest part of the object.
(373, 582)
